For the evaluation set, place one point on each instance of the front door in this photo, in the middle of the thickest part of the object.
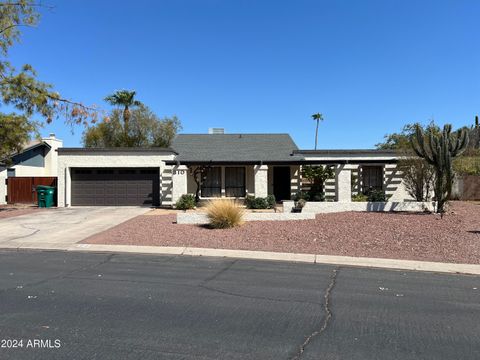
(281, 182)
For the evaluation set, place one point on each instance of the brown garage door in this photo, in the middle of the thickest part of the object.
(115, 187)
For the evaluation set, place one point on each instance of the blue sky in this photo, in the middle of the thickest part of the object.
(266, 66)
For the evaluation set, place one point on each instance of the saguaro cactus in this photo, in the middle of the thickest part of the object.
(438, 149)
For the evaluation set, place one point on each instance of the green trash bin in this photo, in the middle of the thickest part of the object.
(46, 196)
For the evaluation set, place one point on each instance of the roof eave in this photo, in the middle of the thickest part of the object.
(80, 151)
(283, 162)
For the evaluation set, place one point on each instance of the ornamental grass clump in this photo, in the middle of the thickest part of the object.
(224, 214)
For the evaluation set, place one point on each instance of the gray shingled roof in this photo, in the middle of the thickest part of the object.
(348, 152)
(234, 147)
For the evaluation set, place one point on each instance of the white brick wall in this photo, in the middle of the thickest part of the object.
(261, 180)
(343, 179)
(333, 207)
(167, 185)
(140, 160)
(179, 182)
(394, 186)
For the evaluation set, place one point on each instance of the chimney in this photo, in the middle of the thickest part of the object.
(51, 135)
(216, 131)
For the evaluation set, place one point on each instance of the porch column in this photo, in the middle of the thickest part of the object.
(63, 185)
(343, 184)
(222, 181)
(260, 180)
(68, 186)
(3, 187)
(179, 182)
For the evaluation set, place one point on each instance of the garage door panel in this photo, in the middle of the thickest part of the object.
(115, 187)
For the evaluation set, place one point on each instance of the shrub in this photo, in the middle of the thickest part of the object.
(224, 214)
(186, 202)
(372, 195)
(467, 165)
(377, 195)
(251, 202)
(359, 197)
(301, 195)
(271, 201)
(310, 196)
(319, 196)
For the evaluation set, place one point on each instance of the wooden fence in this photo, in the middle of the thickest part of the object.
(21, 190)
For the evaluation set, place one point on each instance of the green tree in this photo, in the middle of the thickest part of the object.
(418, 175)
(22, 90)
(469, 162)
(316, 175)
(125, 99)
(15, 131)
(403, 139)
(439, 150)
(145, 129)
(317, 117)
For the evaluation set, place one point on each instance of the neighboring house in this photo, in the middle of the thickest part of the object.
(237, 165)
(39, 158)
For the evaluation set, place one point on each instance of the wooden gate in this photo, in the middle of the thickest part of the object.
(21, 190)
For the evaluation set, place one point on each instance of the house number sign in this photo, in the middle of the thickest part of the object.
(178, 172)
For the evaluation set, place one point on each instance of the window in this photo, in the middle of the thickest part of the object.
(127, 171)
(372, 178)
(149, 171)
(235, 181)
(82, 171)
(212, 183)
(105, 171)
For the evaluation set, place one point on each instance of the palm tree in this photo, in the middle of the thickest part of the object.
(317, 117)
(126, 99)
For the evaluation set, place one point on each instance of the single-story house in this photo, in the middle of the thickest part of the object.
(37, 159)
(236, 165)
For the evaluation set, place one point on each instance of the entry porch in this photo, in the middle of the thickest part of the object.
(236, 180)
(352, 175)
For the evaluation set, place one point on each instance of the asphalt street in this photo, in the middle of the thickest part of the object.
(115, 306)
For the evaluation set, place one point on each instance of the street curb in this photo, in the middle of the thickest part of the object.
(470, 269)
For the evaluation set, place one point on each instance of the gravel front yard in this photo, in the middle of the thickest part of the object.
(455, 238)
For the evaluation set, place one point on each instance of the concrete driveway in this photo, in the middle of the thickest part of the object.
(59, 227)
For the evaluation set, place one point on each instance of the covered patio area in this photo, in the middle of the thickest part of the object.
(236, 180)
(241, 165)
